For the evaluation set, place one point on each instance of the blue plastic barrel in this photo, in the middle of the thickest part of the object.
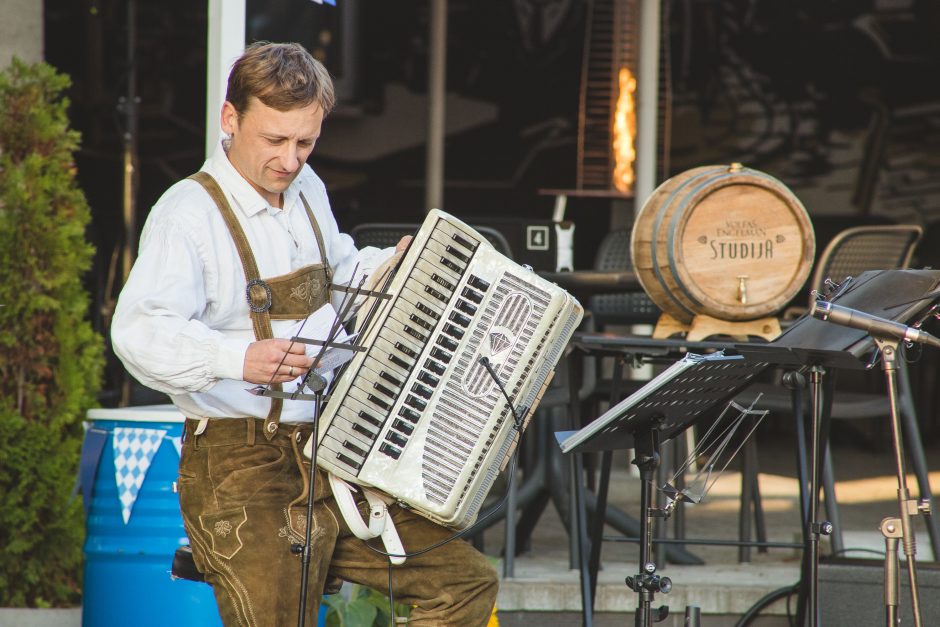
(127, 565)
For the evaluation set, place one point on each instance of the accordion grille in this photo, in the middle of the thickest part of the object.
(466, 412)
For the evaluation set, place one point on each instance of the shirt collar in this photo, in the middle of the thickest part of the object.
(246, 197)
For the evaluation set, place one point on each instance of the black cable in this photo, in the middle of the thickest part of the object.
(765, 601)
(860, 550)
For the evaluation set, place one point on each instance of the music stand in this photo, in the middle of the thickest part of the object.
(815, 345)
(688, 391)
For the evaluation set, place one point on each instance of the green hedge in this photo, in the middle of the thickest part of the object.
(50, 358)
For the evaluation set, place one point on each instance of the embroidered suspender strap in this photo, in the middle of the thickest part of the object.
(259, 295)
(319, 236)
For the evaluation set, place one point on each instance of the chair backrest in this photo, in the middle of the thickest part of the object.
(861, 248)
(624, 307)
(386, 234)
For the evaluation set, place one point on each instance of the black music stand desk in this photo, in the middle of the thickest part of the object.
(694, 388)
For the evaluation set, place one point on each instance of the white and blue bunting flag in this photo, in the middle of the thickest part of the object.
(177, 441)
(134, 449)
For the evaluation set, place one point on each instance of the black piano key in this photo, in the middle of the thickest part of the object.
(390, 450)
(453, 266)
(403, 426)
(409, 414)
(406, 350)
(430, 379)
(370, 418)
(464, 242)
(396, 438)
(447, 343)
(421, 390)
(459, 318)
(478, 283)
(391, 379)
(361, 429)
(398, 361)
(379, 401)
(416, 334)
(418, 320)
(453, 331)
(436, 294)
(453, 252)
(355, 449)
(348, 461)
(466, 307)
(428, 311)
(441, 355)
(472, 294)
(433, 366)
(447, 285)
(414, 401)
(384, 390)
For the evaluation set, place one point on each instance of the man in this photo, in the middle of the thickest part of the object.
(229, 260)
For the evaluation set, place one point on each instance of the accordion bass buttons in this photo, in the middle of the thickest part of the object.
(390, 450)
(478, 283)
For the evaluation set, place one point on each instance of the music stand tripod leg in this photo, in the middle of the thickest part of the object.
(304, 549)
(646, 583)
(915, 446)
(813, 528)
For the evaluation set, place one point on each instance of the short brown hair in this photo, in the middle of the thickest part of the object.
(283, 76)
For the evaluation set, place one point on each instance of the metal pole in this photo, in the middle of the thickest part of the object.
(647, 101)
(128, 106)
(226, 42)
(437, 72)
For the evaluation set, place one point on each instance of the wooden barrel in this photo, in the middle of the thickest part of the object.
(725, 241)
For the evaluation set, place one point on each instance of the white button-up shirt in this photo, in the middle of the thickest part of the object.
(182, 324)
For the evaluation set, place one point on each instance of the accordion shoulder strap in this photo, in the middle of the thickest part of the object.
(380, 523)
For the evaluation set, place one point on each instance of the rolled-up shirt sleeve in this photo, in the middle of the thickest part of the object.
(156, 331)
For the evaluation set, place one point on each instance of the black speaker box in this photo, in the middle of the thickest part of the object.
(851, 593)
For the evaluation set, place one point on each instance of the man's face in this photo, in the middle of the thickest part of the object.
(269, 147)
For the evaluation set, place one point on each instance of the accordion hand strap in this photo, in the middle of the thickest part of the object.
(380, 523)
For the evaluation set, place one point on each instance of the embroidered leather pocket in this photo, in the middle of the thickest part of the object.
(223, 528)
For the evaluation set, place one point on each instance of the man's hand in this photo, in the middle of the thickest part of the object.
(283, 359)
(403, 244)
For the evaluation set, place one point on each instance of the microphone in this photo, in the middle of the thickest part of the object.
(873, 325)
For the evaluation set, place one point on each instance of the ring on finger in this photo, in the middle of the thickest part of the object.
(290, 371)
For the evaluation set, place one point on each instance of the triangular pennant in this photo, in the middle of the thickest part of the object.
(177, 441)
(134, 449)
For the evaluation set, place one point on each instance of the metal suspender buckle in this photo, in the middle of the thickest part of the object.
(260, 299)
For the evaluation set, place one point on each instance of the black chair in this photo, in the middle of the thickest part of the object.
(626, 308)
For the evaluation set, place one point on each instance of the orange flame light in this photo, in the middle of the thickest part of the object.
(625, 132)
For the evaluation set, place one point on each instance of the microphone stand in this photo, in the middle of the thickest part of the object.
(907, 507)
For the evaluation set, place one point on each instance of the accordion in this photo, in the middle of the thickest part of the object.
(417, 414)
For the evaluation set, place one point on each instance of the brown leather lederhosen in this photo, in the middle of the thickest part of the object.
(291, 296)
